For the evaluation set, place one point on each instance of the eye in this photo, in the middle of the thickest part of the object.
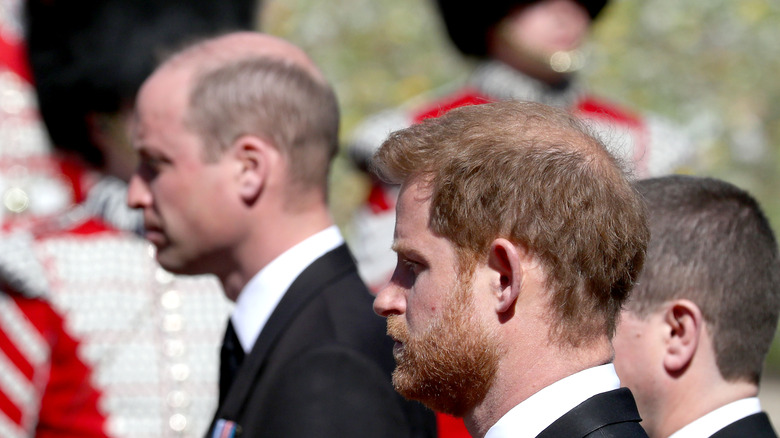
(406, 272)
(411, 266)
(149, 167)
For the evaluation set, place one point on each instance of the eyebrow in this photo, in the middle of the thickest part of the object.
(407, 251)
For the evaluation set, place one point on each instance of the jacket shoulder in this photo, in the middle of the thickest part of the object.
(756, 425)
(609, 414)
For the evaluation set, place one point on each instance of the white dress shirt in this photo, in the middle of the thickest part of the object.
(540, 410)
(719, 418)
(262, 294)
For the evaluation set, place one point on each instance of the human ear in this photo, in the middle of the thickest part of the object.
(253, 157)
(684, 323)
(505, 259)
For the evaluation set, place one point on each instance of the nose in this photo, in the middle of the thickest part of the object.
(138, 194)
(390, 300)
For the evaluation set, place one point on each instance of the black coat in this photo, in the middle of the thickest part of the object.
(321, 365)
(754, 426)
(605, 415)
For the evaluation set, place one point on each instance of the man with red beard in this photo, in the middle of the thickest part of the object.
(518, 238)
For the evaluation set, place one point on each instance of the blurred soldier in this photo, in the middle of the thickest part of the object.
(527, 50)
(150, 354)
(36, 399)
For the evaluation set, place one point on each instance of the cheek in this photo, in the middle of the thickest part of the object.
(422, 305)
(419, 313)
(632, 356)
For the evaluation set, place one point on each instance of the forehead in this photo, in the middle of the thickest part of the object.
(161, 107)
(413, 208)
(412, 231)
(164, 94)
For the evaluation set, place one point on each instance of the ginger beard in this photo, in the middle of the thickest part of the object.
(451, 365)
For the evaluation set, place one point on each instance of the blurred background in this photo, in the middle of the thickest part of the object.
(710, 66)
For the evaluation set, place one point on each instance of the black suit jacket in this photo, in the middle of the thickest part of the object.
(321, 365)
(754, 426)
(609, 414)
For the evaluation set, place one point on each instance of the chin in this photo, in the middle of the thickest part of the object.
(169, 262)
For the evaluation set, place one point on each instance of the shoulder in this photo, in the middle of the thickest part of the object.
(756, 425)
(591, 107)
(329, 310)
(330, 390)
(465, 96)
(29, 253)
(340, 311)
(619, 430)
(609, 414)
(654, 144)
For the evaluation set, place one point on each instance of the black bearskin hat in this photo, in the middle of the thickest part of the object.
(93, 55)
(468, 23)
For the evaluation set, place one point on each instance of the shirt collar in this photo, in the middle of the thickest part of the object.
(540, 410)
(262, 294)
(719, 418)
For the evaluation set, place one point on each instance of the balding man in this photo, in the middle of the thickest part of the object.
(235, 137)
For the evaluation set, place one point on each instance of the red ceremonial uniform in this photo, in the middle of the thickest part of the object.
(649, 144)
(95, 338)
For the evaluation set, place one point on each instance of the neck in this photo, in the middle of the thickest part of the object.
(271, 235)
(520, 377)
(687, 404)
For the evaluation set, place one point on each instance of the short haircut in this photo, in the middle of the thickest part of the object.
(711, 244)
(273, 99)
(535, 175)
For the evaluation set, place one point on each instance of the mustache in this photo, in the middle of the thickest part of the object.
(396, 328)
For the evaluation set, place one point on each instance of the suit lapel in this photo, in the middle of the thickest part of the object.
(324, 271)
(611, 407)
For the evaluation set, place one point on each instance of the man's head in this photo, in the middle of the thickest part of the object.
(538, 37)
(504, 202)
(223, 127)
(706, 305)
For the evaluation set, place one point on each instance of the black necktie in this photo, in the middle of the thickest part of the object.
(231, 356)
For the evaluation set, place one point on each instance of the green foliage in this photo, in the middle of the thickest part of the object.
(708, 65)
